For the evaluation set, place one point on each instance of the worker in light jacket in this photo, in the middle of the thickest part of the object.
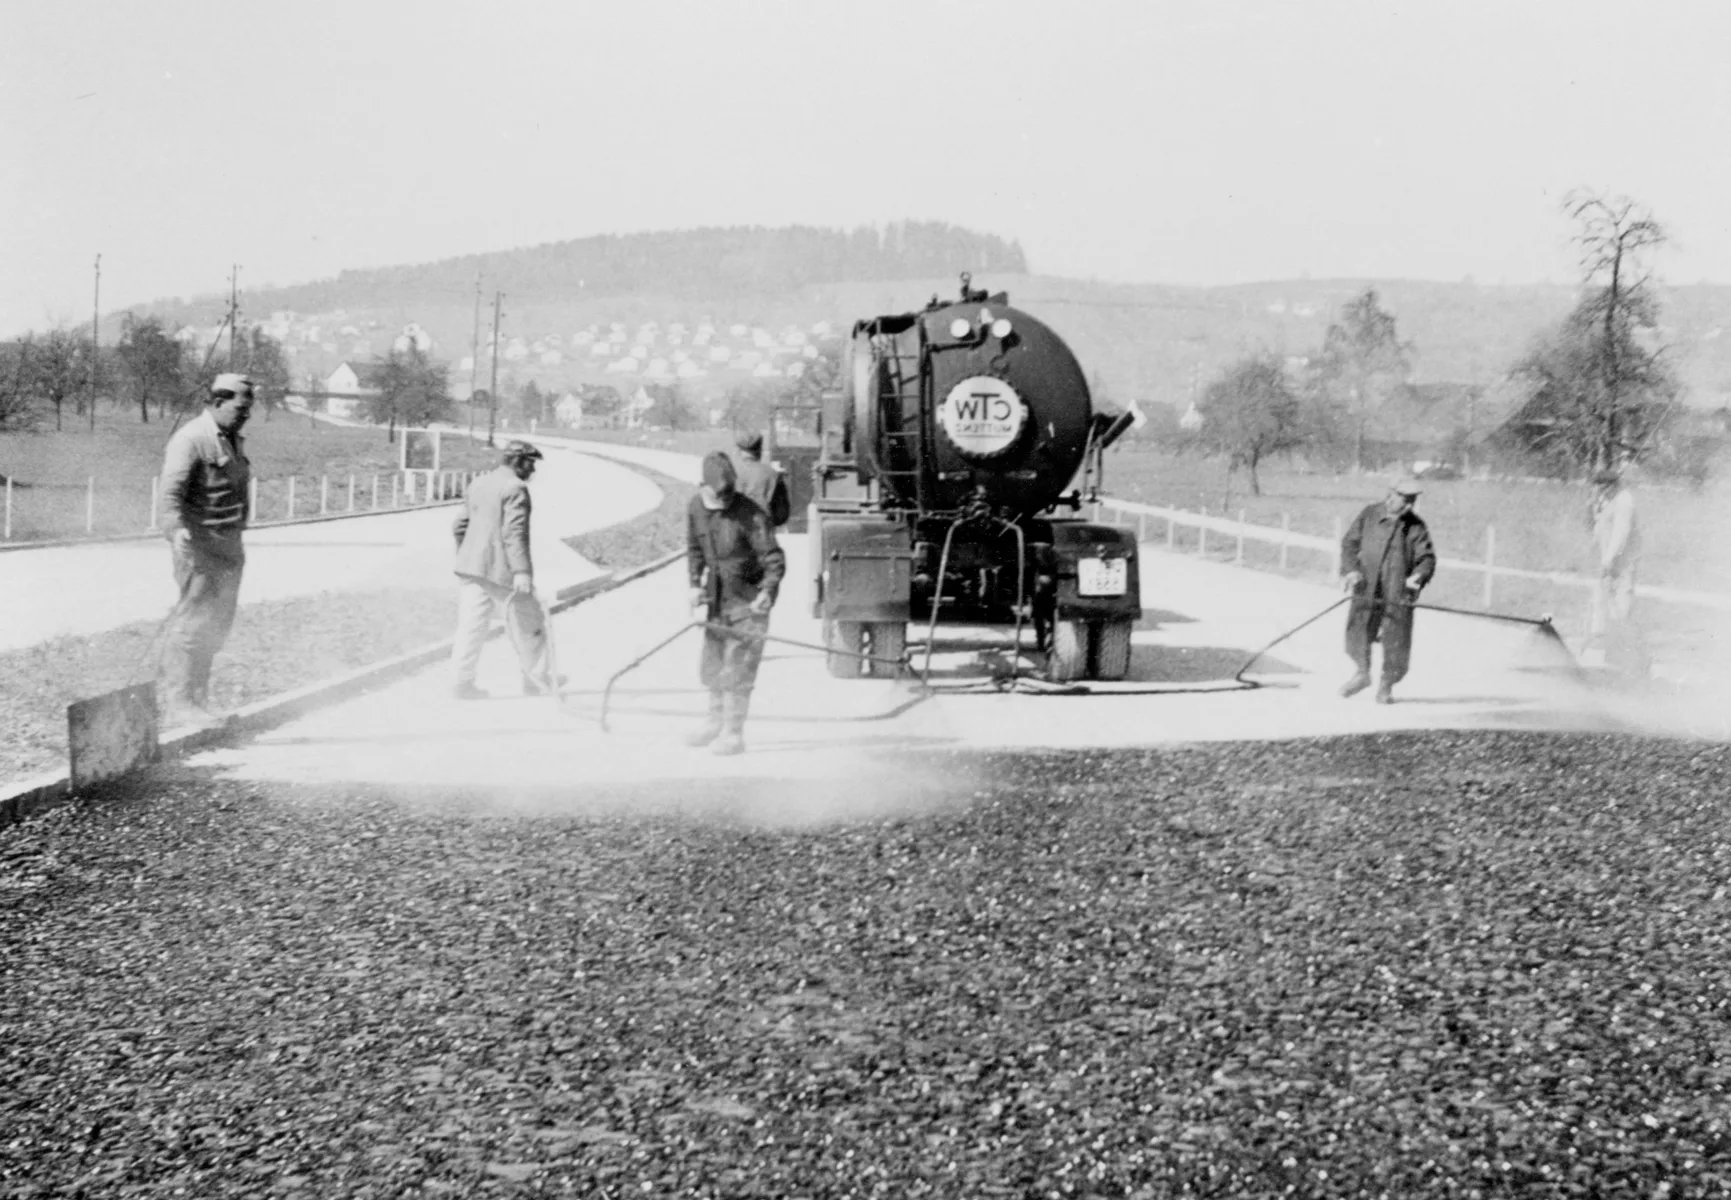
(1617, 540)
(494, 570)
(736, 570)
(206, 486)
(1386, 559)
(763, 483)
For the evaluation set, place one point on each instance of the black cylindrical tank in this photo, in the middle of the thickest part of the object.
(968, 399)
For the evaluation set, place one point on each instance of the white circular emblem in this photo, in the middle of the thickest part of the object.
(983, 416)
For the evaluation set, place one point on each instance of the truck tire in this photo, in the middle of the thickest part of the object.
(1068, 658)
(889, 640)
(849, 637)
(1112, 649)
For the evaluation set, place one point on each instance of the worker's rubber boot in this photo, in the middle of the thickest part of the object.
(711, 728)
(1356, 684)
(732, 739)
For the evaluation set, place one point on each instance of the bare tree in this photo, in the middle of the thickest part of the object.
(61, 370)
(1250, 413)
(1602, 383)
(18, 397)
(413, 389)
(153, 366)
(1363, 362)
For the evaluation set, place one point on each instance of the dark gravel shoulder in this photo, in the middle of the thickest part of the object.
(1442, 964)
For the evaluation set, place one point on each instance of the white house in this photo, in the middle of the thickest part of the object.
(349, 387)
(568, 410)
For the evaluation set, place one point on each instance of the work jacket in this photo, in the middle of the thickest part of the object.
(493, 529)
(1387, 550)
(732, 552)
(764, 485)
(1615, 532)
(206, 485)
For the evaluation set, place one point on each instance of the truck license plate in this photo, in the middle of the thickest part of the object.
(1101, 576)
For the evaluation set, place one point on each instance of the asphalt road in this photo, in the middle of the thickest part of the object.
(80, 590)
(1203, 621)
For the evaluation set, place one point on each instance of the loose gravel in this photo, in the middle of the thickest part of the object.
(1417, 964)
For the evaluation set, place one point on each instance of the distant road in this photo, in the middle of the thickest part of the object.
(81, 590)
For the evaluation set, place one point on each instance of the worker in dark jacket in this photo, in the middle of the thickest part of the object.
(206, 495)
(736, 570)
(763, 483)
(1386, 559)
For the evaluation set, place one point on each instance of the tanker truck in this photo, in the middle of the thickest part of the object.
(952, 464)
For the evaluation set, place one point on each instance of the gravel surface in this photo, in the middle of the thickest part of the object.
(1449, 964)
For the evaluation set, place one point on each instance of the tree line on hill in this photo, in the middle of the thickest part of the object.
(1596, 391)
(727, 262)
(46, 377)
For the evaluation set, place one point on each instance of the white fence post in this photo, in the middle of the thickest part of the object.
(1490, 561)
(1171, 531)
(1239, 556)
(252, 497)
(90, 506)
(324, 494)
(155, 496)
(1285, 531)
(291, 498)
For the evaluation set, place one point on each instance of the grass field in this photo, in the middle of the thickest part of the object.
(51, 472)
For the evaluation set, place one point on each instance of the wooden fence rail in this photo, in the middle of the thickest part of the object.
(1128, 512)
(412, 488)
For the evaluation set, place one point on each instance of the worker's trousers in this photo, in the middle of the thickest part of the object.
(730, 663)
(1370, 620)
(199, 623)
(477, 600)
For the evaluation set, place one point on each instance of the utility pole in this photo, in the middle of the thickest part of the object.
(474, 356)
(95, 342)
(493, 391)
(233, 314)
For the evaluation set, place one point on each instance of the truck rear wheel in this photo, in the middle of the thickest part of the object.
(1112, 649)
(1068, 658)
(849, 638)
(889, 640)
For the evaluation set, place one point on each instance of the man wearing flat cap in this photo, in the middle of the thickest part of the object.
(736, 570)
(1617, 539)
(760, 482)
(1386, 558)
(494, 570)
(206, 485)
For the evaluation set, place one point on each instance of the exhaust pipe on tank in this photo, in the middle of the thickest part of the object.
(1109, 429)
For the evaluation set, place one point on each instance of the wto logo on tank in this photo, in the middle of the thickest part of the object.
(983, 415)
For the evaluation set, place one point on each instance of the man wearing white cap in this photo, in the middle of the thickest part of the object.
(205, 494)
(1386, 558)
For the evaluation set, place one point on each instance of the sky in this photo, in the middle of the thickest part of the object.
(1156, 141)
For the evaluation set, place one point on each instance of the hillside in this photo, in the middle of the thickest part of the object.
(1150, 341)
